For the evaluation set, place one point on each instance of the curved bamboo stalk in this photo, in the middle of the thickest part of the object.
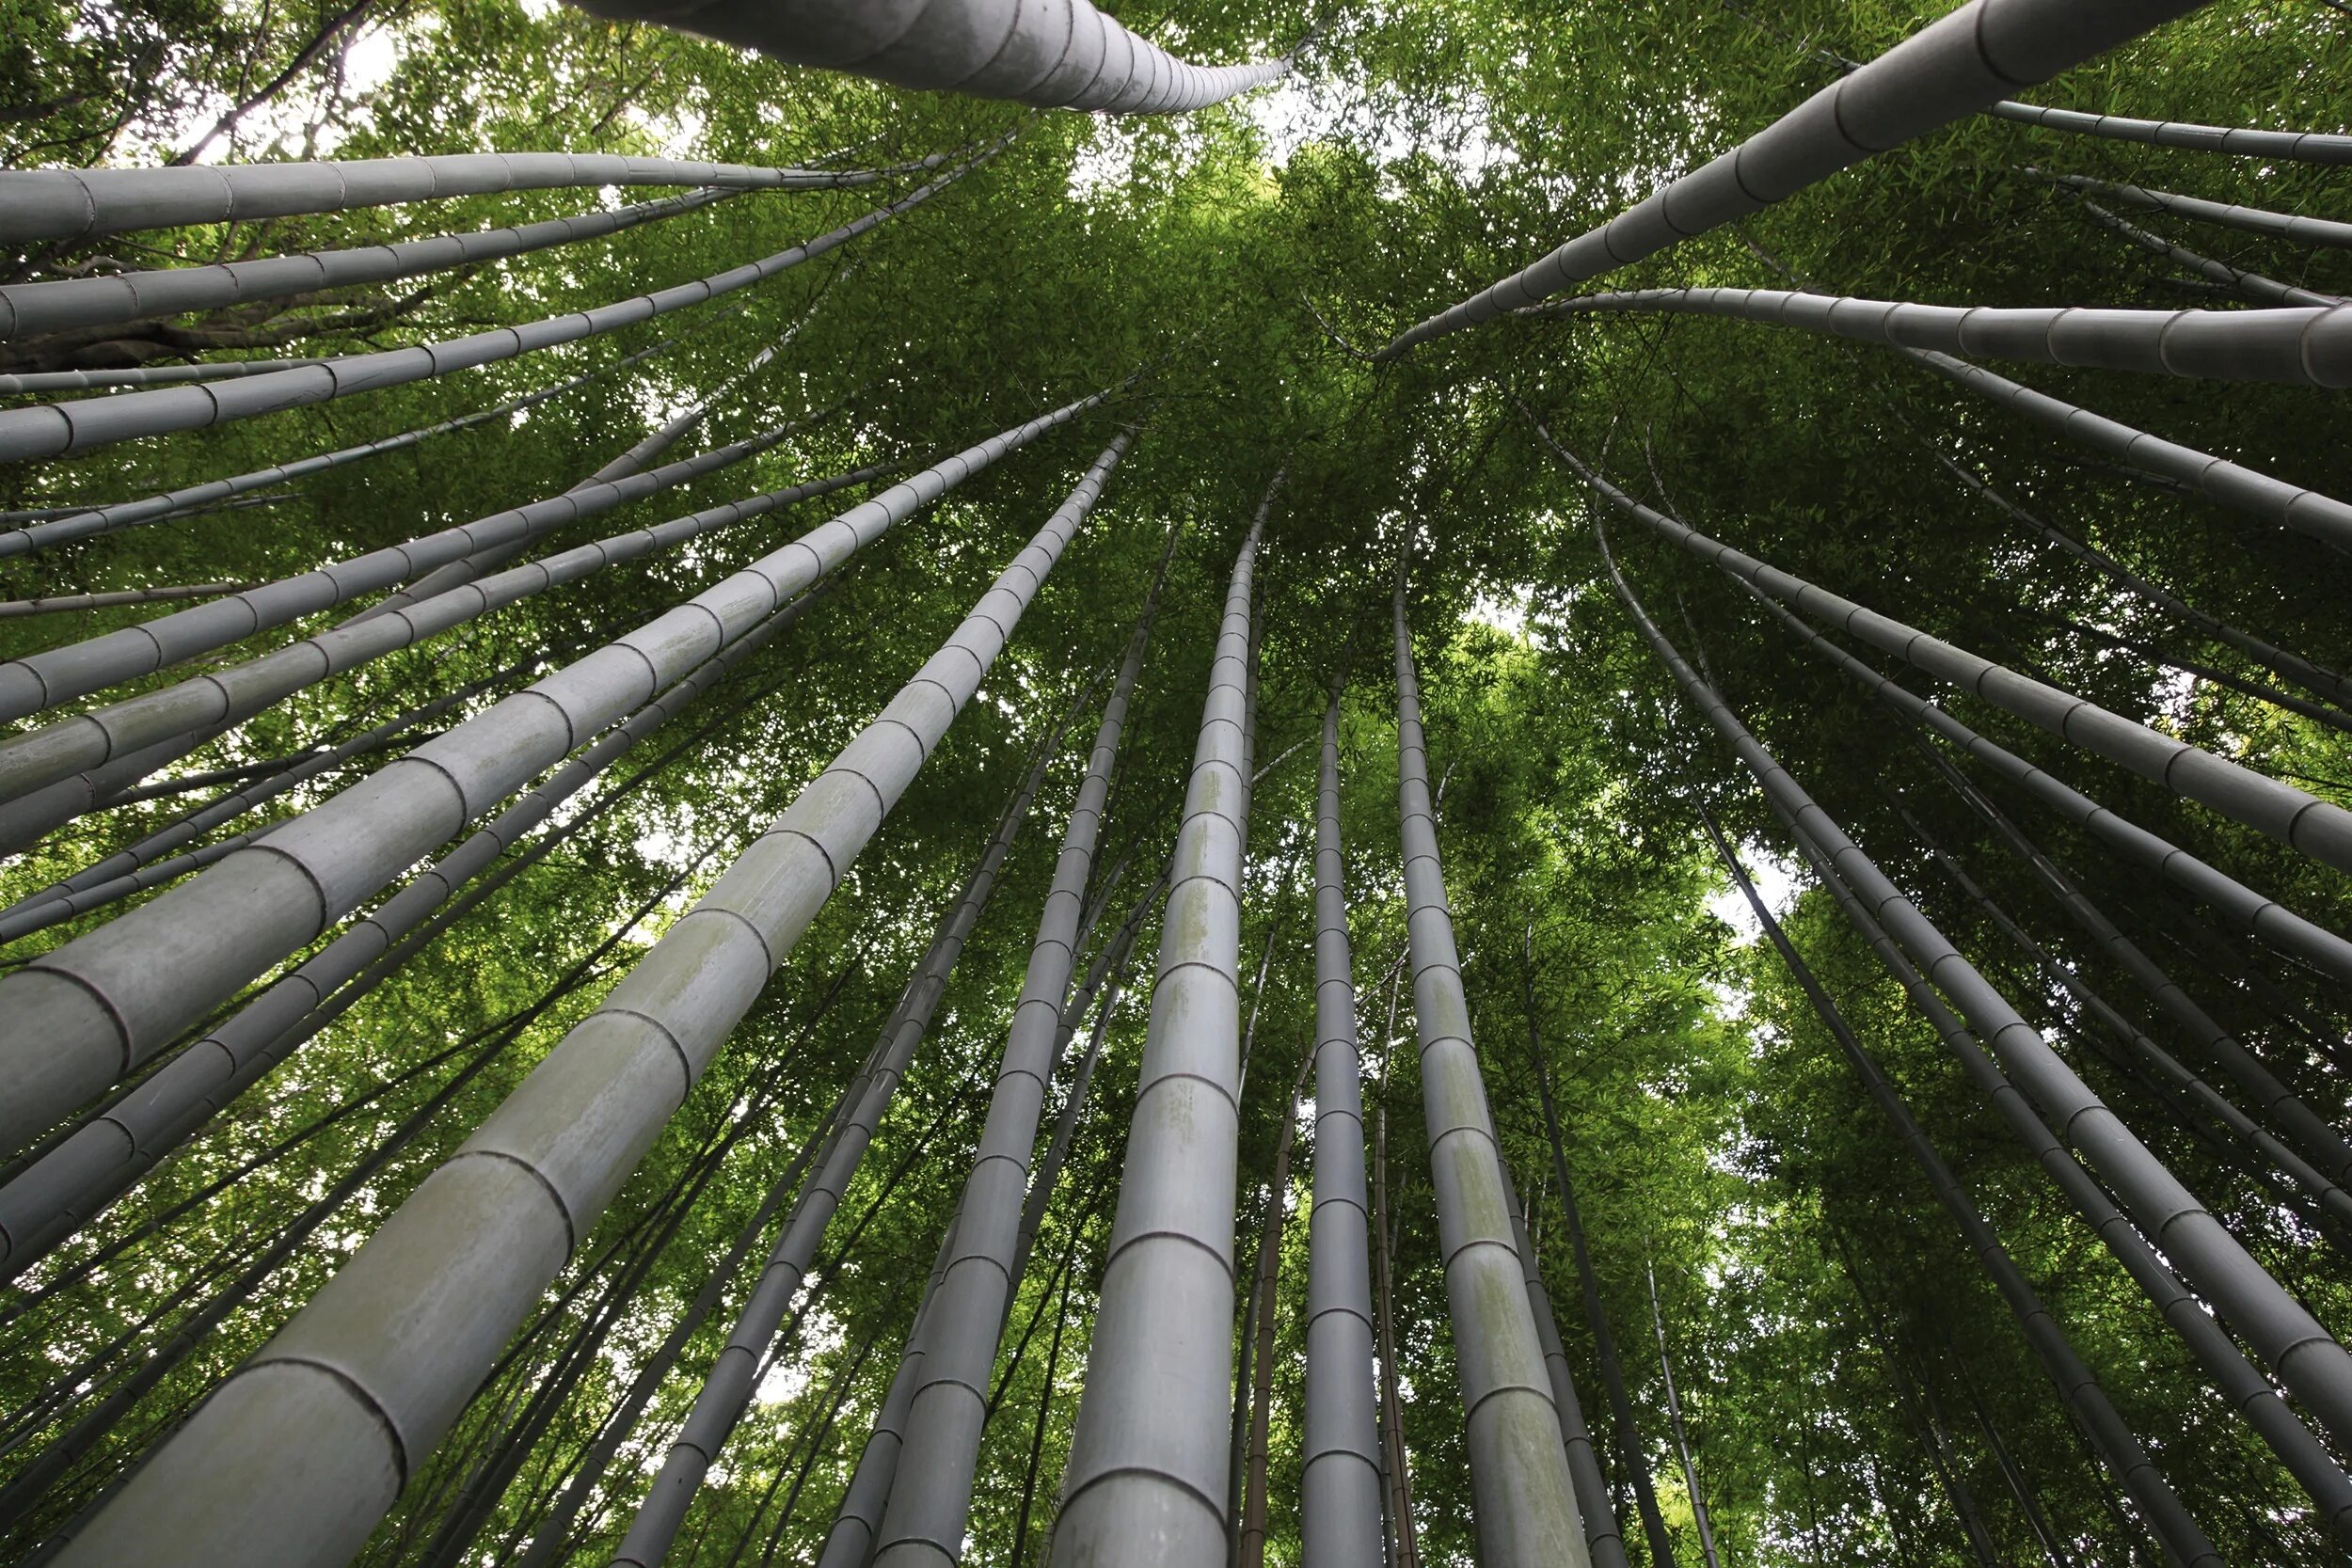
(1059, 53)
(1602, 1534)
(1339, 1503)
(2253, 285)
(104, 1002)
(2297, 819)
(29, 309)
(1148, 1470)
(339, 1410)
(60, 524)
(930, 1498)
(2319, 681)
(1522, 1498)
(42, 680)
(69, 1185)
(1957, 65)
(2302, 146)
(2305, 1357)
(2226, 484)
(2307, 345)
(50, 429)
(2229, 215)
(2249, 910)
(68, 204)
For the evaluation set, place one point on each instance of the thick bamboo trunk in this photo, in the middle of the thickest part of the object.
(1057, 54)
(30, 309)
(70, 1184)
(1147, 1477)
(297, 1455)
(1522, 1498)
(81, 204)
(2305, 342)
(1340, 1480)
(102, 1004)
(930, 1498)
(1955, 65)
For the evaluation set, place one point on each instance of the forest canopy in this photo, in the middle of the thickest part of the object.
(1881, 1210)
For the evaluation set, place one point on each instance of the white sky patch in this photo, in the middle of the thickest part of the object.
(1104, 163)
(1776, 879)
(1506, 612)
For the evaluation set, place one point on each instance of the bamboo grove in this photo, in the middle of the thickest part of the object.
(983, 782)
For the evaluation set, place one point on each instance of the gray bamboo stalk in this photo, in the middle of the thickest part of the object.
(32, 382)
(256, 684)
(2308, 345)
(296, 1456)
(1265, 1300)
(848, 1133)
(1955, 66)
(2244, 1388)
(1629, 1432)
(102, 1004)
(70, 1184)
(2218, 480)
(2321, 682)
(2305, 1357)
(2332, 1199)
(2319, 713)
(1338, 1504)
(2302, 146)
(28, 309)
(143, 863)
(472, 567)
(1601, 1535)
(1522, 1498)
(49, 429)
(1673, 1418)
(259, 682)
(44, 679)
(2229, 215)
(729, 1389)
(71, 205)
(929, 1503)
(2020, 1486)
(80, 523)
(1109, 975)
(2301, 821)
(1147, 1475)
(1060, 54)
(2270, 1097)
(2250, 911)
(58, 604)
(1397, 1494)
(2253, 285)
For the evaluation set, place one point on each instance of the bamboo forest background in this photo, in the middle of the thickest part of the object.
(1845, 1382)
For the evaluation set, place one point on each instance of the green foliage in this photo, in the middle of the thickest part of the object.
(1846, 1370)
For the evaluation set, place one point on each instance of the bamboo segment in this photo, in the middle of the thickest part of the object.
(296, 1456)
